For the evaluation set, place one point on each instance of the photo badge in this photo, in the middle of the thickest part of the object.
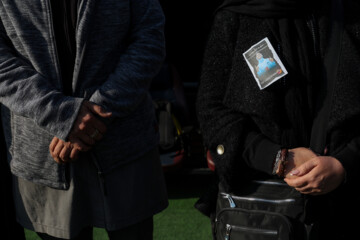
(264, 63)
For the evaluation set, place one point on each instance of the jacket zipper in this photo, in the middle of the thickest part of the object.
(283, 79)
(53, 38)
(100, 173)
(314, 34)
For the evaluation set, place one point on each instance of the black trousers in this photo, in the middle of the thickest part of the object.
(10, 229)
(138, 231)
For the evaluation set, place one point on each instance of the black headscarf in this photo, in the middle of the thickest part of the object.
(288, 21)
(269, 8)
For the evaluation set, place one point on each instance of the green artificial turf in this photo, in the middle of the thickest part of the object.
(180, 221)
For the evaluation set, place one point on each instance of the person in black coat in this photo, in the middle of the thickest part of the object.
(251, 132)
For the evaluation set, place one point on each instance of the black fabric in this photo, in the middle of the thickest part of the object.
(270, 8)
(85, 234)
(64, 14)
(331, 64)
(293, 26)
(10, 229)
(229, 99)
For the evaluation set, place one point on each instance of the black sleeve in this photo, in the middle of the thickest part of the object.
(224, 128)
(349, 157)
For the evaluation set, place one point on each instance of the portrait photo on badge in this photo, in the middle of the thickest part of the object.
(264, 63)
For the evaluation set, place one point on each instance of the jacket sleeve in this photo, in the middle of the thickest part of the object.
(349, 156)
(128, 84)
(231, 136)
(29, 94)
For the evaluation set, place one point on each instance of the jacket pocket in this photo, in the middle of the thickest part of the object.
(30, 156)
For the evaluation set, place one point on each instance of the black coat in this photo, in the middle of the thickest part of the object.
(250, 123)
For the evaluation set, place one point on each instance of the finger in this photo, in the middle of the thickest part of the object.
(310, 191)
(74, 154)
(305, 189)
(53, 143)
(79, 145)
(304, 168)
(58, 148)
(98, 110)
(89, 123)
(65, 153)
(298, 182)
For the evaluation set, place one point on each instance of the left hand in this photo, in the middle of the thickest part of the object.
(319, 175)
(63, 152)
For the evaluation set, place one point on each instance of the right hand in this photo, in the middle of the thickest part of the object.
(295, 158)
(88, 128)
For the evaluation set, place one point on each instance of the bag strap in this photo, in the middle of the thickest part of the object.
(330, 69)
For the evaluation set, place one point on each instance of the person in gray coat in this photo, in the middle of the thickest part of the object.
(80, 128)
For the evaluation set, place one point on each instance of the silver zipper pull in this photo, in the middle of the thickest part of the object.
(231, 201)
(228, 230)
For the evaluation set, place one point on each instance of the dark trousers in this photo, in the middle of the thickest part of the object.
(10, 229)
(139, 231)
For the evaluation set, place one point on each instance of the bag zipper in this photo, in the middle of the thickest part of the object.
(231, 201)
(229, 228)
(252, 199)
(270, 183)
(228, 231)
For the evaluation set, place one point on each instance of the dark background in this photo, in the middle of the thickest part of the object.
(187, 27)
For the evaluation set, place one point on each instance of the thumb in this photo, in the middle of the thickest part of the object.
(98, 110)
(303, 168)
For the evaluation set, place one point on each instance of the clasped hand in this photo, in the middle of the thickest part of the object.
(87, 129)
(311, 174)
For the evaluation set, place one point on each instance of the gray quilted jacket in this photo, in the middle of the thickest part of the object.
(120, 48)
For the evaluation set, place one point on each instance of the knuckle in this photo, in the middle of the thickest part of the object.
(82, 126)
(87, 117)
(83, 148)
